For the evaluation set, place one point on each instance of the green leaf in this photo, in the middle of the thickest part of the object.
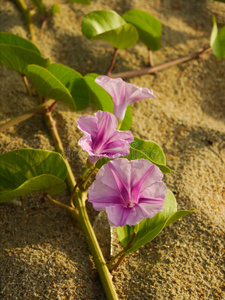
(127, 121)
(54, 9)
(99, 98)
(220, 1)
(26, 171)
(48, 86)
(148, 229)
(74, 83)
(17, 53)
(107, 25)
(150, 151)
(85, 2)
(148, 27)
(217, 40)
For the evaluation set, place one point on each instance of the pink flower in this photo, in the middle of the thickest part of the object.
(129, 191)
(101, 137)
(122, 93)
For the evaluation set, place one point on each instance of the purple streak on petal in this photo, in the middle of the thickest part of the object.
(107, 124)
(151, 208)
(102, 196)
(101, 137)
(122, 93)
(129, 191)
(117, 215)
(155, 191)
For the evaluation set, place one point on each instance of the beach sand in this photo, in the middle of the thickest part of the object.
(43, 253)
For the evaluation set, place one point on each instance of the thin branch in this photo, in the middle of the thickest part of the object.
(51, 124)
(109, 71)
(26, 12)
(121, 255)
(57, 203)
(161, 66)
(26, 115)
(89, 176)
(25, 81)
(114, 268)
(82, 217)
(150, 58)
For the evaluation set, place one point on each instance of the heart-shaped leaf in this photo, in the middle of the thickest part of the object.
(148, 150)
(107, 25)
(74, 82)
(148, 229)
(17, 53)
(148, 27)
(99, 98)
(217, 40)
(26, 171)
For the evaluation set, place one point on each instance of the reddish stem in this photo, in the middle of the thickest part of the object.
(109, 71)
(161, 66)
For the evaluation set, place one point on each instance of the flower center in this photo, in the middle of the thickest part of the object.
(131, 204)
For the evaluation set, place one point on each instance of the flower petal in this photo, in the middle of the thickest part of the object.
(102, 196)
(88, 124)
(107, 124)
(117, 215)
(122, 93)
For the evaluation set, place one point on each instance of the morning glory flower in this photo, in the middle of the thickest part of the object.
(101, 139)
(122, 93)
(129, 191)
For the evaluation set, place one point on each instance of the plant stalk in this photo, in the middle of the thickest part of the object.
(51, 124)
(26, 115)
(150, 58)
(57, 203)
(162, 66)
(109, 71)
(26, 12)
(121, 255)
(106, 277)
(82, 217)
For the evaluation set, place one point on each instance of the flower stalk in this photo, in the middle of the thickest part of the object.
(79, 200)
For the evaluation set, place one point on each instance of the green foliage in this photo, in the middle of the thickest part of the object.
(220, 1)
(148, 229)
(54, 9)
(148, 27)
(62, 84)
(27, 171)
(217, 40)
(143, 149)
(99, 98)
(74, 82)
(17, 53)
(128, 119)
(150, 151)
(107, 25)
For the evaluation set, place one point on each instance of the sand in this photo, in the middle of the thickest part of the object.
(43, 254)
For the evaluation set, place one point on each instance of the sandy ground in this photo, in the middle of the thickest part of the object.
(43, 254)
